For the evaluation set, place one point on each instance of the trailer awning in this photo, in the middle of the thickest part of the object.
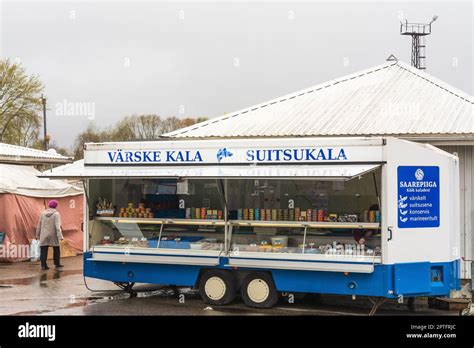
(329, 171)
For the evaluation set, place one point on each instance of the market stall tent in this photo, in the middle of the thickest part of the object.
(23, 196)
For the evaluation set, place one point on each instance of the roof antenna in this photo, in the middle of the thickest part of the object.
(417, 31)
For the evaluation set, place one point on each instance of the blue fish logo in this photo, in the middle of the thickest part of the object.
(223, 153)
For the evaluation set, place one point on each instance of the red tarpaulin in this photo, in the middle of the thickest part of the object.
(19, 216)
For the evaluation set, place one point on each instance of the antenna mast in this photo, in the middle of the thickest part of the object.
(417, 31)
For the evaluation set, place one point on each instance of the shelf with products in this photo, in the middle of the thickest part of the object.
(165, 221)
(157, 233)
(303, 215)
(288, 237)
(302, 224)
(251, 223)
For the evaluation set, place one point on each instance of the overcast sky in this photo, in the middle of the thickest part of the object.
(104, 60)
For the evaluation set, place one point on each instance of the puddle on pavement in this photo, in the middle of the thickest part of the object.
(41, 277)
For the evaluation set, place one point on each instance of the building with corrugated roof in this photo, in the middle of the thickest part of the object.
(24, 155)
(392, 99)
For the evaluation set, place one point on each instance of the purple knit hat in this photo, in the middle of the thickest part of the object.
(53, 203)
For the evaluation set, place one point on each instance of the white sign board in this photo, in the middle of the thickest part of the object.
(276, 151)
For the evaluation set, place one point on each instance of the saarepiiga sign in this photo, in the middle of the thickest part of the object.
(228, 154)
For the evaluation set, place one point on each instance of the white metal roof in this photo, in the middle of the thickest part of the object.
(18, 154)
(391, 99)
(330, 171)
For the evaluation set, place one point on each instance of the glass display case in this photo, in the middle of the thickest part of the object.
(327, 217)
(156, 213)
(259, 216)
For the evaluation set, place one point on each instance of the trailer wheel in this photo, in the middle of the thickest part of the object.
(258, 290)
(217, 287)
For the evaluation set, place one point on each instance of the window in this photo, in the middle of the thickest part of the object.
(156, 213)
(305, 216)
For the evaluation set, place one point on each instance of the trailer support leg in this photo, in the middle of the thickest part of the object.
(127, 287)
(376, 304)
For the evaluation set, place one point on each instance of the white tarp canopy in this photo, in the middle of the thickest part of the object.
(327, 171)
(23, 180)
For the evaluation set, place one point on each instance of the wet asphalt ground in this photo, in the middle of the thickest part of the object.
(26, 290)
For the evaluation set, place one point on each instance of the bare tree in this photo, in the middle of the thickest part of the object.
(130, 128)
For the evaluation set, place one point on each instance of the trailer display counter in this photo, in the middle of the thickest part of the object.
(358, 216)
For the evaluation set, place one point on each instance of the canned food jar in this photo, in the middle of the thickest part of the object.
(321, 215)
(257, 214)
(372, 216)
(377, 216)
(274, 215)
(251, 212)
(280, 215)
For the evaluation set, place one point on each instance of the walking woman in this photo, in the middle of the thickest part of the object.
(49, 233)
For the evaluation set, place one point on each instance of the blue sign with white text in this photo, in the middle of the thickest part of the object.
(418, 196)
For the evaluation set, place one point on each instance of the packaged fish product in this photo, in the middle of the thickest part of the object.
(314, 215)
(365, 217)
(297, 214)
(372, 216)
(321, 215)
(274, 215)
(303, 215)
(280, 214)
(332, 217)
(257, 214)
(292, 215)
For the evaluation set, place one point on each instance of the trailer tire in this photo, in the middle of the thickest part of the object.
(258, 290)
(217, 287)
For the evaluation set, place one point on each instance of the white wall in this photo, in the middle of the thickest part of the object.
(466, 179)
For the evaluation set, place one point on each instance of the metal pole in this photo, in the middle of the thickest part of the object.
(43, 101)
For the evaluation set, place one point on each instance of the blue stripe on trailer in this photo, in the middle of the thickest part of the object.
(163, 274)
(407, 279)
